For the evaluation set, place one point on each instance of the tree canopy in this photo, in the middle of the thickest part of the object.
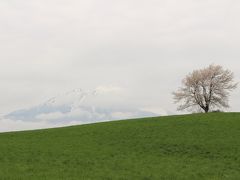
(205, 89)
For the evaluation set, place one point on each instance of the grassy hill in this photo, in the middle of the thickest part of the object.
(196, 146)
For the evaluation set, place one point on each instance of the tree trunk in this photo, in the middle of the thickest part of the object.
(206, 109)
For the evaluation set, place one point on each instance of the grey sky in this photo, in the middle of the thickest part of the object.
(145, 46)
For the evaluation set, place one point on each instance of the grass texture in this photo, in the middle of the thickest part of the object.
(198, 146)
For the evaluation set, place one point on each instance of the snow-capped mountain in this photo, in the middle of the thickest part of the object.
(80, 107)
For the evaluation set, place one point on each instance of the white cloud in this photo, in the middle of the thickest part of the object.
(50, 116)
(147, 47)
(156, 110)
(7, 125)
(123, 115)
(109, 89)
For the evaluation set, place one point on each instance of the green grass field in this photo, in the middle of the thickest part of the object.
(200, 146)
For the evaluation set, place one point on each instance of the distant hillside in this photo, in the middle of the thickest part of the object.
(199, 146)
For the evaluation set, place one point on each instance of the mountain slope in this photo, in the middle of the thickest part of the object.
(200, 146)
(81, 107)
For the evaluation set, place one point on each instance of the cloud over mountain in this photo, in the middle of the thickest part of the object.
(105, 103)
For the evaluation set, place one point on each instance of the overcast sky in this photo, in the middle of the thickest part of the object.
(144, 46)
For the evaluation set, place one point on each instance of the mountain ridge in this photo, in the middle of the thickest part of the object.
(80, 107)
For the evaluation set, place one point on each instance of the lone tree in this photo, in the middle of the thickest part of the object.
(205, 89)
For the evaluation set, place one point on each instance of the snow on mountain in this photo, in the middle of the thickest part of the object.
(80, 107)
